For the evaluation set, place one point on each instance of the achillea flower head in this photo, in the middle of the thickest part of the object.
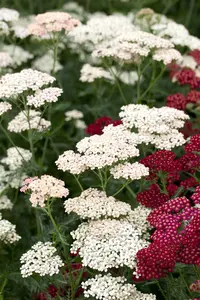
(18, 54)
(71, 162)
(44, 188)
(4, 107)
(5, 59)
(12, 85)
(167, 56)
(52, 22)
(8, 15)
(178, 101)
(33, 120)
(40, 259)
(99, 124)
(195, 286)
(196, 55)
(5, 203)
(94, 204)
(187, 77)
(134, 171)
(107, 243)
(196, 195)
(16, 157)
(73, 115)
(45, 63)
(193, 144)
(105, 287)
(193, 97)
(8, 233)
(48, 95)
(90, 73)
(152, 197)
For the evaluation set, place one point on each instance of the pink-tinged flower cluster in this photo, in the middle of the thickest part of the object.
(195, 286)
(196, 55)
(99, 124)
(52, 22)
(44, 188)
(175, 239)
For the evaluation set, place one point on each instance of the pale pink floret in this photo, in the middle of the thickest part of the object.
(52, 22)
(44, 188)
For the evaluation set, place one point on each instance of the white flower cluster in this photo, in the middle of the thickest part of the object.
(41, 259)
(4, 29)
(76, 116)
(133, 171)
(116, 143)
(160, 25)
(158, 126)
(5, 59)
(138, 216)
(8, 15)
(45, 63)
(94, 204)
(8, 233)
(131, 46)
(16, 157)
(12, 85)
(20, 27)
(105, 244)
(104, 287)
(101, 28)
(18, 54)
(24, 121)
(5, 203)
(127, 77)
(167, 56)
(41, 97)
(4, 107)
(90, 73)
(71, 162)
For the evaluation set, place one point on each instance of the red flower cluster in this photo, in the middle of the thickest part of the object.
(176, 239)
(189, 128)
(180, 101)
(162, 161)
(152, 197)
(194, 144)
(196, 196)
(195, 287)
(196, 55)
(98, 126)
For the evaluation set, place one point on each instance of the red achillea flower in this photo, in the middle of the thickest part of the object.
(188, 129)
(156, 260)
(190, 161)
(188, 76)
(196, 55)
(177, 101)
(52, 291)
(196, 196)
(76, 268)
(189, 182)
(174, 69)
(194, 144)
(172, 189)
(98, 126)
(193, 96)
(162, 160)
(41, 296)
(195, 287)
(152, 197)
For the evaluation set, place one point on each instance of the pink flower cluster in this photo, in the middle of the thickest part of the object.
(52, 22)
(44, 188)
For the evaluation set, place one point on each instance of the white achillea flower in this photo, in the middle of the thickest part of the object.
(105, 244)
(18, 54)
(133, 171)
(80, 124)
(131, 45)
(44, 188)
(41, 97)
(158, 126)
(188, 62)
(71, 162)
(4, 107)
(127, 77)
(94, 204)
(152, 120)
(73, 115)
(116, 143)
(5, 60)
(8, 15)
(4, 29)
(90, 73)
(138, 216)
(104, 287)
(23, 122)
(16, 157)
(101, 28)
(41, 259)
(20, 27)
(8, 233)
(45, 63)
(167, 56)
(12, 85)
(5, 203)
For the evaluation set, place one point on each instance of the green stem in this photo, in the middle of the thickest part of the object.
(183, 278)
(131, 191)
(77, 180)
(2, 288)
(138, 82)
(123, 186)
(161, 290)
